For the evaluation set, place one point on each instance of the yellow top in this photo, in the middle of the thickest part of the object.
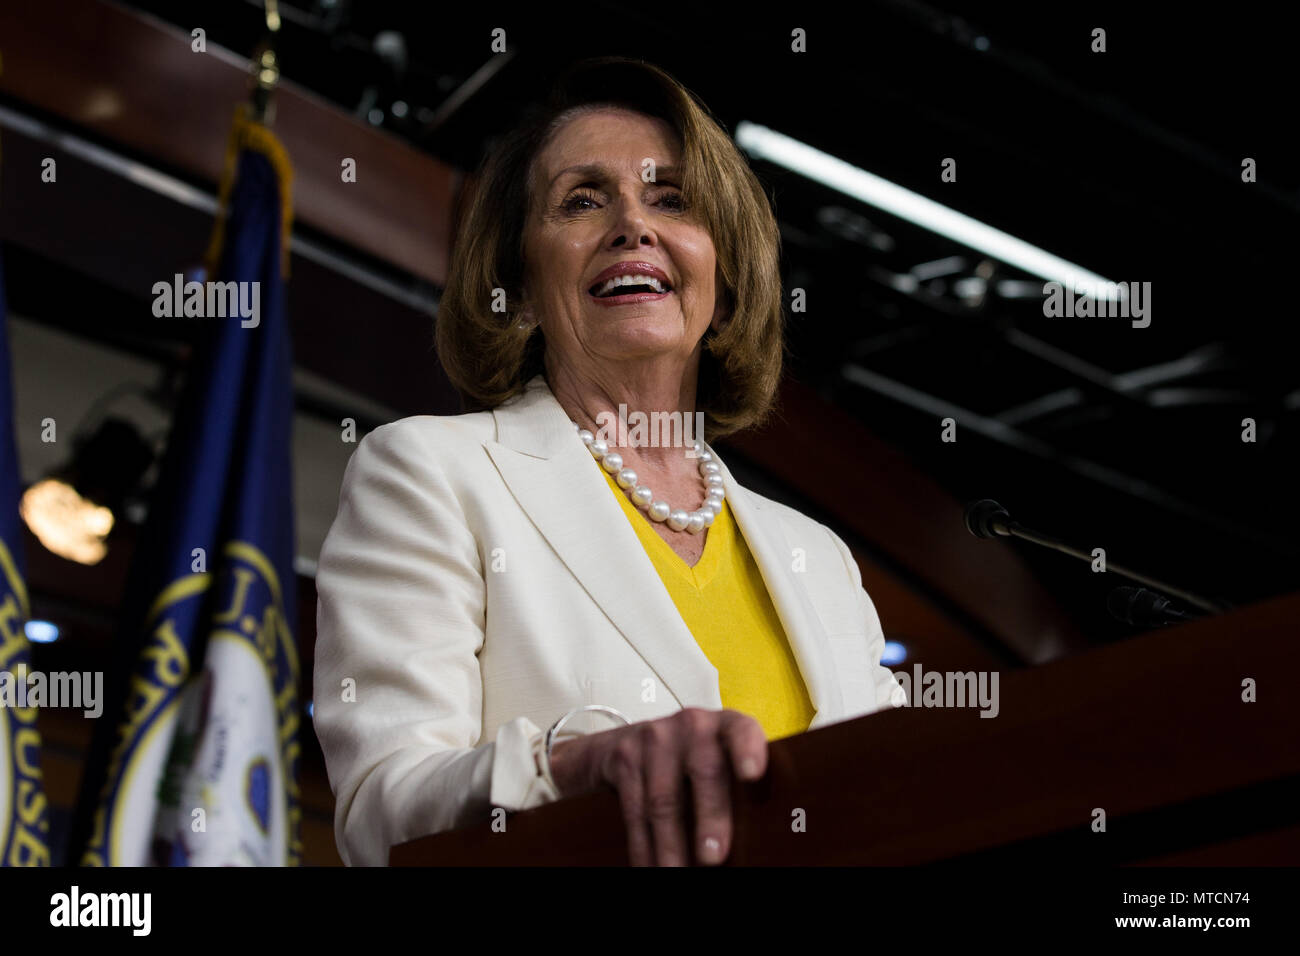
(725, 604)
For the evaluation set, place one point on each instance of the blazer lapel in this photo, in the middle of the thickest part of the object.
(773, 553)
(545, 466)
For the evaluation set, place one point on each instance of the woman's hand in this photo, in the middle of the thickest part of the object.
(650, 765)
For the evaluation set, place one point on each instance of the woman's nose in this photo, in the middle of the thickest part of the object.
(631, 226)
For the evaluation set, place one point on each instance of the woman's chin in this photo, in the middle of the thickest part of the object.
(630, 336)
(649, 345)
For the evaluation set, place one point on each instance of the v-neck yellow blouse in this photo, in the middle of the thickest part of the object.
(725, 604)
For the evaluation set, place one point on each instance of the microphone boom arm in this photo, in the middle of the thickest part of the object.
(987, 519)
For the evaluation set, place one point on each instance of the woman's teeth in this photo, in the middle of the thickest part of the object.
(611, 284)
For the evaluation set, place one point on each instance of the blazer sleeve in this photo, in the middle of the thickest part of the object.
(887, 690)
(400, 618)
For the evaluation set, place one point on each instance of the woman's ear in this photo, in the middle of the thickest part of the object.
(721, 311)
(527, 318)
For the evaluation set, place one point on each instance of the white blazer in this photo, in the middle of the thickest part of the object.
(480, 580)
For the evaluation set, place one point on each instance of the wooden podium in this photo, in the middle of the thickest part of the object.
(1153, 731)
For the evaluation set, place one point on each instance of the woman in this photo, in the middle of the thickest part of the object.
(489, 573)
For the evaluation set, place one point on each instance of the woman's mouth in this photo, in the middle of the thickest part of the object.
(630, 289)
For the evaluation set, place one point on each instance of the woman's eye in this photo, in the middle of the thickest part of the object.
(673, 201)
(571, 203)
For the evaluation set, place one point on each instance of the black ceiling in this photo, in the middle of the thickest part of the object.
(1127, 162)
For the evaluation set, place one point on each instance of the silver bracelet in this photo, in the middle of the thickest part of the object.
(544, 758)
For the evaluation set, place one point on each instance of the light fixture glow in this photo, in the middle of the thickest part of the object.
(895, 653)
(869, 188)
(41, 632)
(66, 523)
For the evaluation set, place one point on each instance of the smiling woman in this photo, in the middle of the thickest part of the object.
(657, 140)
(511, 569)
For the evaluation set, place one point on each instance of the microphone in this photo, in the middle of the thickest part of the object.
(988, 519)
(1144, 608)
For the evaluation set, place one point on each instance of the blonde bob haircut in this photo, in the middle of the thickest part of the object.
(489, 358)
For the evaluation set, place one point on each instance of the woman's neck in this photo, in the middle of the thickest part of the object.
(647, 413)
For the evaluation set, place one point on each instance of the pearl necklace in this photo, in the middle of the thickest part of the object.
(677, 518)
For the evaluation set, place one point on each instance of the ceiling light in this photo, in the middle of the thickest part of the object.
(41, 632)
(72, 510)
(71, 526)
(869, 188)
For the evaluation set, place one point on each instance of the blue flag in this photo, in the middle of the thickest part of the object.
(24, 820)
(202, 768)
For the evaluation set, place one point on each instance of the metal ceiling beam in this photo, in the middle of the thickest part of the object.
(981, 41)
(1004, 434)
(1129, 386)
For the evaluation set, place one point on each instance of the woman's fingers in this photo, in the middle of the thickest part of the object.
(706, 767)
(673, 776)
(745, 741)
(625, 772)
(666, 790)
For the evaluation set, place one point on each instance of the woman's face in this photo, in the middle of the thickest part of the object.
(592, 209)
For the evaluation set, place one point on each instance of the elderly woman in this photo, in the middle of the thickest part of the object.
(533, 566)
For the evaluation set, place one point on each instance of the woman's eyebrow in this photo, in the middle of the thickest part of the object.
(600, 172)
(588, 171)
